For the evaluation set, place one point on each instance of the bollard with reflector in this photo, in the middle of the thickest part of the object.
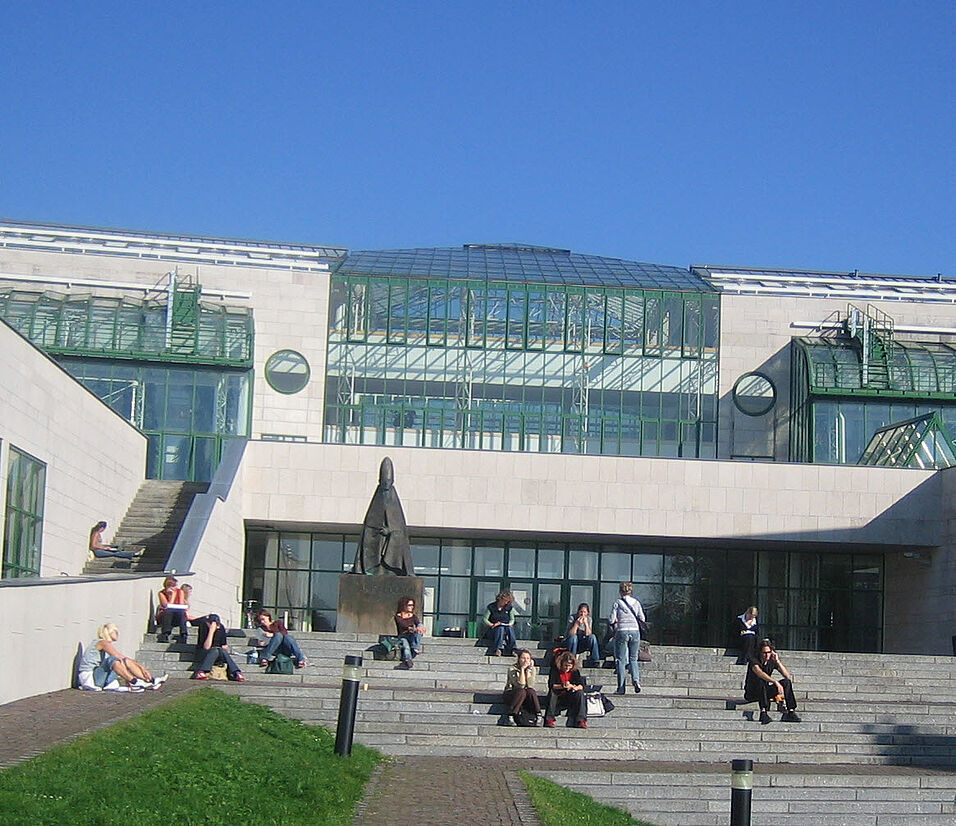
(348, 700)
(741, 791)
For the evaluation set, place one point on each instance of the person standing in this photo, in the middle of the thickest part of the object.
(626, 618)
(500, 621)
(761, 686)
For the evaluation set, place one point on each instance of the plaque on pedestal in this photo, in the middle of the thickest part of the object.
(367, 603)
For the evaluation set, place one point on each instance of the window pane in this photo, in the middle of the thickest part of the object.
(520, 561)
(489, 560)
(648, 567)
(551, 564)
(582, 565)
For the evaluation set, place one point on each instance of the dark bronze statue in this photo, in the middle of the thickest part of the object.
(383, 546)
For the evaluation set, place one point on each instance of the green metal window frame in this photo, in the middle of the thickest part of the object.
(921, 442)
(689, 594)
(188, 412)
(186, 330)
(831, 391)
(23, 523)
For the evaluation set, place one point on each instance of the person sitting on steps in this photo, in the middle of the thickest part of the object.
(280, 641)
(171, 611)
(567, 691)
(101, 550)
(762, 688)
(409, 629)
(213, 647)
(581, 635)
(499, 622)
(519, 688)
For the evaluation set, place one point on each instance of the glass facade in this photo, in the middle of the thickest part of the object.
(815, 601)
(187, 412)
(177, 367)
(839, 399)
(23, 524)
(547, 367)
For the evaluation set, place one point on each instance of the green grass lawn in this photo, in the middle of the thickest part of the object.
(558, 806)
(202, 758)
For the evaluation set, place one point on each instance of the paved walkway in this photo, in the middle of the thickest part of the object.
(34, 725)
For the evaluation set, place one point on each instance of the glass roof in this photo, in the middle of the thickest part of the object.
(922, 442)
(519, 263)
(917, 369)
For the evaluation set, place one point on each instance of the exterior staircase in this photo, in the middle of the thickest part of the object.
(153, 522)
(877, 745)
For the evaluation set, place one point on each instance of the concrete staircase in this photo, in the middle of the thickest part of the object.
(152, 521)
(875, 727)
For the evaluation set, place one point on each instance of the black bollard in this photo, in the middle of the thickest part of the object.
(348, 701)
(741, 791)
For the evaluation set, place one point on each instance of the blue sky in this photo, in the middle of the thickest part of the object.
(813, 135)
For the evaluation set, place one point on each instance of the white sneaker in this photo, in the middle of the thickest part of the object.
(158, 681)
(114, 686)
(90, 688)
(140, 684)
(136, 689)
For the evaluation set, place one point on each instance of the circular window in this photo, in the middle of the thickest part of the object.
(287, 371)
(754, 394)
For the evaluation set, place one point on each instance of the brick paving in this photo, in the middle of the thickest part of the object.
(35, 724)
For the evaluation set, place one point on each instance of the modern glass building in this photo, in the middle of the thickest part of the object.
(504, 347)
(558, 422)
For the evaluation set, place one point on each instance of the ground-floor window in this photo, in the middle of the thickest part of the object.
(23, 523)
(815, 601)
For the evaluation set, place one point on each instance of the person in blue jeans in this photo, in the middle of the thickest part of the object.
(409, 629)
(625, 618)
(500, 624)
(280, 641)
(581, 635)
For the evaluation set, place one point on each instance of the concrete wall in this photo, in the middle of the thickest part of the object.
(597, 496)
(95, 460)
(45, 623)
(755, 333)
(920, 599)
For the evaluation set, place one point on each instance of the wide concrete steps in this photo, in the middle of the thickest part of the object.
(846, 797)
(450, 704)
(152, 521)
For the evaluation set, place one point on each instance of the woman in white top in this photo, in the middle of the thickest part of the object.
(625, 618)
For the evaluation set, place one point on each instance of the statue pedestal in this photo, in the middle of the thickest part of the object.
(367, 603)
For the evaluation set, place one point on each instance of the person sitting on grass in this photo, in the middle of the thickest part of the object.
(213, 647)
(519, 689)
(581, 635)
(500, 624)
(280, 641)
(101, 550)
(761, 686)
(409, 629)
(102, 663)
(567, 691)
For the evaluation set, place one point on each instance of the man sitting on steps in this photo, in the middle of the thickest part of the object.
(762, 688)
